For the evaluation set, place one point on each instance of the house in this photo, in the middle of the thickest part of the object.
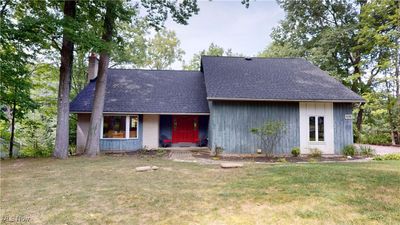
(218, 105)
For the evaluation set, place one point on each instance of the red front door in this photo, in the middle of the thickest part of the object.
(185, 129)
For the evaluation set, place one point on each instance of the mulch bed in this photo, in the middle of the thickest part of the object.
(263, 158)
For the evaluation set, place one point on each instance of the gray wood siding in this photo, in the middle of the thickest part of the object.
(343, 129)
(230, 124)
(124, 144)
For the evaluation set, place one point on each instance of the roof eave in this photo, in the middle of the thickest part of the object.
(287, 100)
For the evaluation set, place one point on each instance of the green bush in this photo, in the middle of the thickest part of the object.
(349, 150)
(282, 160)
(376, 138)
(393, 156)
(218, 151)
(367, 150)
(315, 152)
(296, 151)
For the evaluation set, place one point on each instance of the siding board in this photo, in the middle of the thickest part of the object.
(231, 122)
(343, 129)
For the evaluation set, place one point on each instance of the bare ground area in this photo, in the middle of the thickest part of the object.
(108, 190)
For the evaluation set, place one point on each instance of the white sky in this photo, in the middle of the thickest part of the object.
(228, 24)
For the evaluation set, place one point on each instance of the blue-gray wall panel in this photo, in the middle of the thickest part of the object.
(343, 129)
(124, 144)
(230, 124)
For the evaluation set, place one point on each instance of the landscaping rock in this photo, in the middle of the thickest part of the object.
(154, 167)
(231, 165)
(143, 168)
(146, 168)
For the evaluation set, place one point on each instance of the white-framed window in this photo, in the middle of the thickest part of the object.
(120, 127)
(316, 128)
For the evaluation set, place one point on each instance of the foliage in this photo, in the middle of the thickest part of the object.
(295, 151)
(357, 42)
(269, 133)
(213, 50)
(163, 50)
(393, 156)
(282, 160)
(218, 151)
(366, 150)
(349, 150)
(315, 152)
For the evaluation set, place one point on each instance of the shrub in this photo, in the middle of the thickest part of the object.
(349, 150)
(296, 151)
(376, 138)
(393, 156)
(315, 152)
(282, 160)
(218, 151)
(367, 150)
(269, 133)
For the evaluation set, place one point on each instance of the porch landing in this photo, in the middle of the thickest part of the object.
(194, 148)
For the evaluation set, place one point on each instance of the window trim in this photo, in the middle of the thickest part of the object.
(317, 141)
(127, 117)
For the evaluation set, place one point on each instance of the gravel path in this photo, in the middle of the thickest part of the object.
(382, 150)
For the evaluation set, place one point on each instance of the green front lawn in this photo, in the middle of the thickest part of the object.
(107, 190)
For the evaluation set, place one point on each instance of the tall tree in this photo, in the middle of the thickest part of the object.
(326, 32)
(67, 51)
(92, 147)
(15, 82)
(213, 50)
(157, 13)
(163, 50)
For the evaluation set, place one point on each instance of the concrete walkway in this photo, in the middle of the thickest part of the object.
(382, 150)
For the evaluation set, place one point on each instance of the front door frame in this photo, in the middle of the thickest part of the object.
(175, 126)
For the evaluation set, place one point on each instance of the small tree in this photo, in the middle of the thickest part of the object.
(269, 133)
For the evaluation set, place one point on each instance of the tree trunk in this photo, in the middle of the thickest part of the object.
(67, 51)
(92, 147)
(12, 128)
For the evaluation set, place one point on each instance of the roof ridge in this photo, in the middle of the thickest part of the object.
(254, 57)
(154, 70)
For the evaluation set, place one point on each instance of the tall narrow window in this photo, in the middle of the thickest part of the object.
(114, 127)
(133, 126)
(320, 128)
(312, 128)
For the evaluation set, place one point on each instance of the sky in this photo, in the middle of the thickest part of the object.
(228, 24)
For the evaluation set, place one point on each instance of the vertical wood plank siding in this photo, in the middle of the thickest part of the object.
(124, 144)
(230, 124)
(343, 129)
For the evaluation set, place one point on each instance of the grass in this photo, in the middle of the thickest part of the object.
(107, 190)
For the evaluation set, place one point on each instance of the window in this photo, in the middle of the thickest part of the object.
(320, 128)
(312, 128)
(120, 127)
(316, 128)
(133, 126)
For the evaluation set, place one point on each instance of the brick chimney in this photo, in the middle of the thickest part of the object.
(93, 67)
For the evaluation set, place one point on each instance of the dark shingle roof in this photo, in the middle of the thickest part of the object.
(271, 79)
(152, 91)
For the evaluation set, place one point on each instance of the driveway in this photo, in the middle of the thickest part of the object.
(382, 150)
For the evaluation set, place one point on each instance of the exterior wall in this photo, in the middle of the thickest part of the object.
(343, 128)
(82, 129)
(151, 131)
(230, 124)
(124, 145)
(308, 109)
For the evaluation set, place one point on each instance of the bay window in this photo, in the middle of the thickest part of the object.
(120, 127)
